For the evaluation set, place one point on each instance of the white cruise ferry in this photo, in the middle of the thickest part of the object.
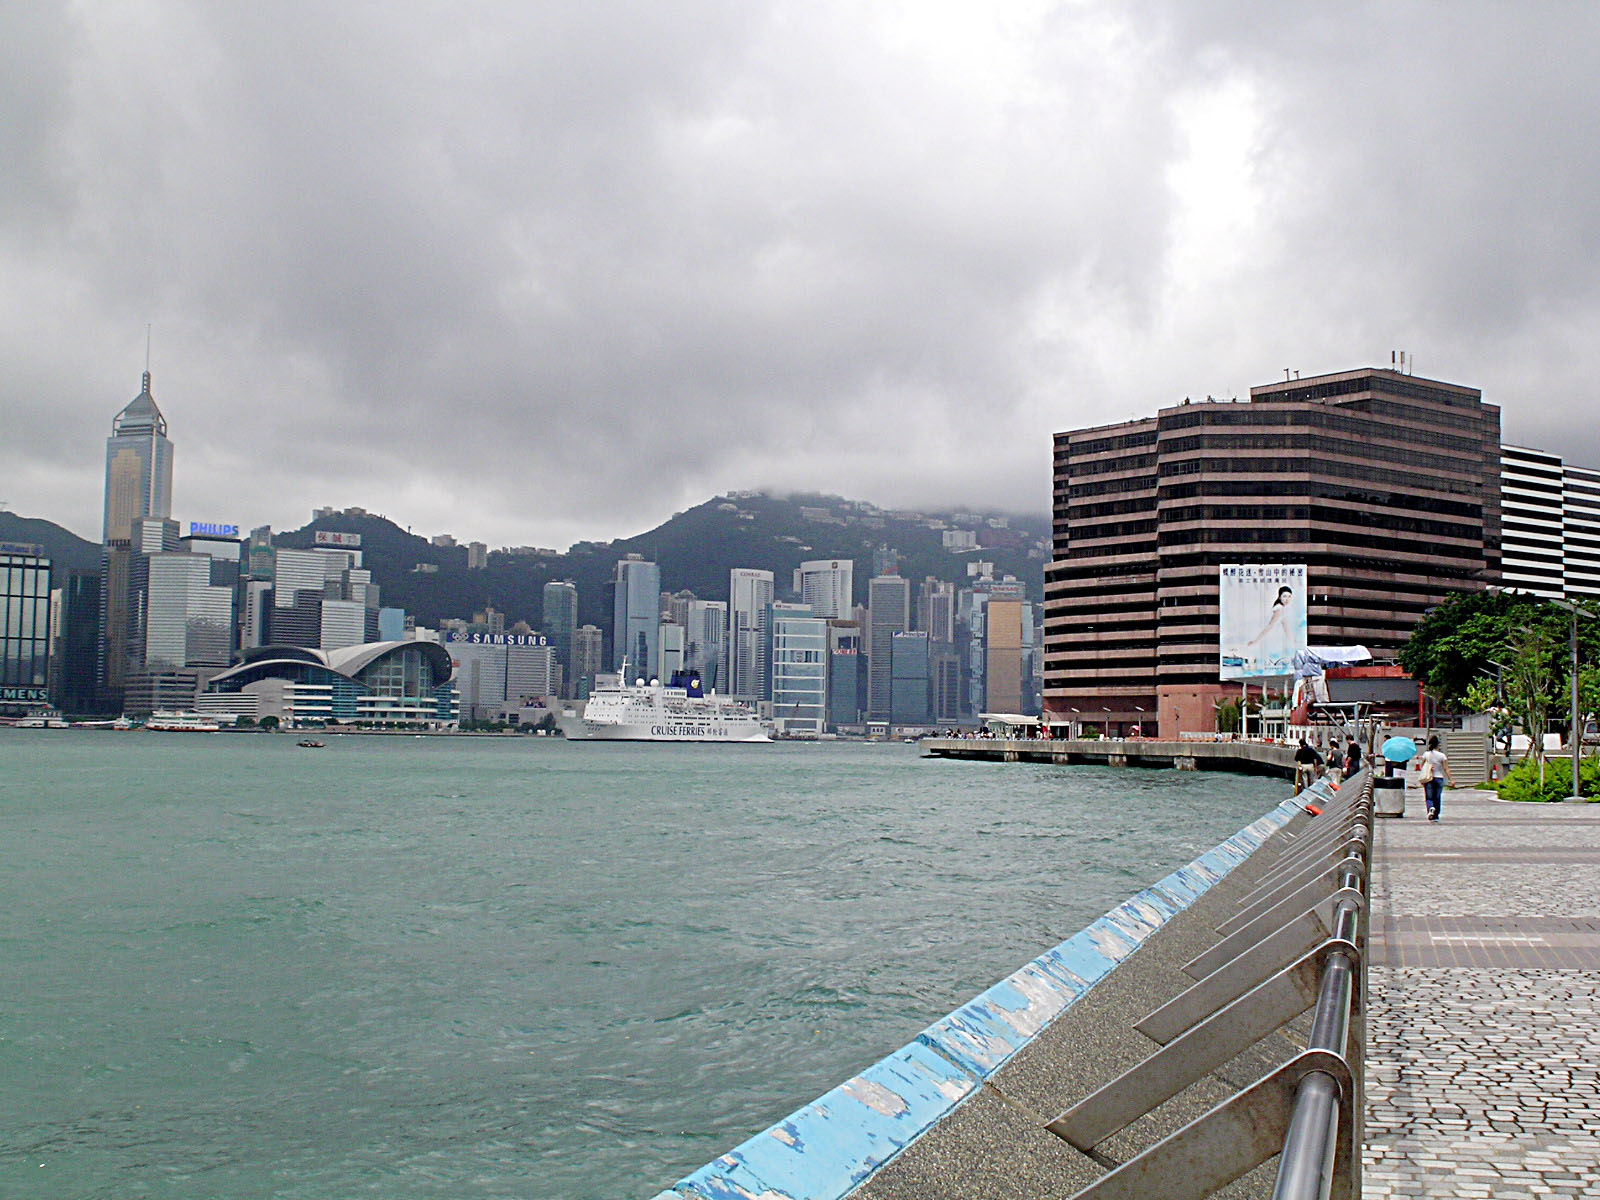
(657, 712)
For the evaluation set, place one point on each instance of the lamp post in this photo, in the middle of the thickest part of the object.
(1575, 736)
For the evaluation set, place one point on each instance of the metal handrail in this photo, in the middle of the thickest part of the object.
(1284, 960)
(1306, 1164)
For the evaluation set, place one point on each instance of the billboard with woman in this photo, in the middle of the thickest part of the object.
(1262, 619)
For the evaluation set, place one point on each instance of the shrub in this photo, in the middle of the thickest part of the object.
(1523, 781)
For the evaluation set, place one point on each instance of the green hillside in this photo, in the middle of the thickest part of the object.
(66, 550)
(696, 550)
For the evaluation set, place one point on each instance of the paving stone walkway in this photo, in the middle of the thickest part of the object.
(1483, 1070)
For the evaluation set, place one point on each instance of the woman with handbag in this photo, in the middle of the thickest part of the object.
(1432, 775)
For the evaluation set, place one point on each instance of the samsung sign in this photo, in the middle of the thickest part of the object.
(498, 639)
(208, 529)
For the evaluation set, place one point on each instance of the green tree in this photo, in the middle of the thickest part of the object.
(1459, 641)
(269, 723)
(1484, 697)
(1531, 682)
(1227, 713)
(1589, 691)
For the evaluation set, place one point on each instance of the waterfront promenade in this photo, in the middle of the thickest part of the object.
(1484, 1026)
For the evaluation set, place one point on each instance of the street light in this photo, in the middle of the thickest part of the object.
(1575, 737)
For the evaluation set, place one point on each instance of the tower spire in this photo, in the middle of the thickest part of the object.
(147, 357)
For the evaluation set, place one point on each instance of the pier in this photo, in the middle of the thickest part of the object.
(1256, 758)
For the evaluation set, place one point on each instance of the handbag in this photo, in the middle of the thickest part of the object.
(1426, 774)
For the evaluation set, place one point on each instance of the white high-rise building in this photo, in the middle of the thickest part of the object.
(344, 623)
(188, 621)
(825, 586)
(1580, 531)
(1550, 524)
(297, 571)
(1531, 519)
(531, 667)
(750, 594)
(798, 660)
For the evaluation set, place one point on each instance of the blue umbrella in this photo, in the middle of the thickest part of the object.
(1399, 749)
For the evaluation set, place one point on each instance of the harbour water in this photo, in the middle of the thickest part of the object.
(232, 967)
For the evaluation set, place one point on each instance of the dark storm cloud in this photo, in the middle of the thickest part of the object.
(554, 271)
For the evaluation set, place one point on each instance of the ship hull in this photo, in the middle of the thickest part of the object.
(578, 729)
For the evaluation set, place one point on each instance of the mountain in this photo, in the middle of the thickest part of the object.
(66, 550)
(696, 550)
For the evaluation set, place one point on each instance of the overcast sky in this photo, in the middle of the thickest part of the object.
(556, 270)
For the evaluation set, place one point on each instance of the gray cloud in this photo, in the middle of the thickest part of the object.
(555, 271)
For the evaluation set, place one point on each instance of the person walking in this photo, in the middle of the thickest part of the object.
(1433, 773)
(1352, 759)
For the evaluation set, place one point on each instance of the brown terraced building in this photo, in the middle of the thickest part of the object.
(1386, 486)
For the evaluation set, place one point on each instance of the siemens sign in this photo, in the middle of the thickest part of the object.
(209, 529)
(498, 639)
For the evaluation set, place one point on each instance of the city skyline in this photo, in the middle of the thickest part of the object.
(502, 268)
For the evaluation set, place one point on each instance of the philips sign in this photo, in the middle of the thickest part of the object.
(209, 529)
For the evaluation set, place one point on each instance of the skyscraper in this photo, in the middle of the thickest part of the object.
(706, 647)
(936, 609)
(138, 484)
(558, 622)
(844, 672)
(588, 646)
(24, 627)
(889, 604)
(797, 662)
(672, 641)
(750, 594)
(636, 617)
(825, 586)
(188, 625)
(74, 642)
(1003, 656)
(910, 686)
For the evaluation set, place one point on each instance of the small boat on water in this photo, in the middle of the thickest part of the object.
(43, 719)
(180, 722)
(311, 743)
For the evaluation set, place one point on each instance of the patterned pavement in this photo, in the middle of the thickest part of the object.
(1483, 1068)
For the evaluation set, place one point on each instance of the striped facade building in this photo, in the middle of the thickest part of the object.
(1551, 543)
(1386, 486)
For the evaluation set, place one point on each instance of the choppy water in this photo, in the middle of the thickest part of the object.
(230, 967)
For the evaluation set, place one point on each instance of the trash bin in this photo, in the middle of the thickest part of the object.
(1389, 782)
(1389, 790)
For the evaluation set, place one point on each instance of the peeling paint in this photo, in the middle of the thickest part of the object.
(877, 1097)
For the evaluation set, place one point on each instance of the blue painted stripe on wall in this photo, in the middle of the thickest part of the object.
(836, 1141)
(828, 1147)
